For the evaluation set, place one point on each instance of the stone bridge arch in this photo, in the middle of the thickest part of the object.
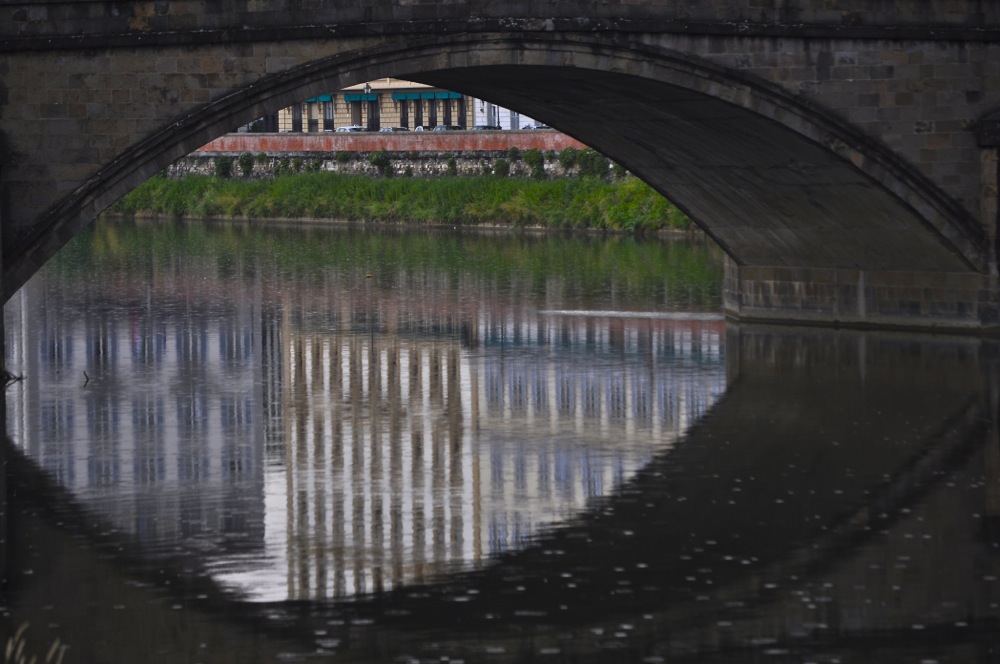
(820, 220)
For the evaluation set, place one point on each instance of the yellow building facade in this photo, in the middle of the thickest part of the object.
(385, 102)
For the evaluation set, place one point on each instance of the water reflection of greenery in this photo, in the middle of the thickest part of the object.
(685, 272)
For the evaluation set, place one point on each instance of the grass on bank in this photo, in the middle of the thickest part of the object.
(581, 203)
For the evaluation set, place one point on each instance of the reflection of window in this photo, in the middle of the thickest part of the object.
(101, 344)
(539, 391)
(518, 391)
(563, 475)
(591, 397)
(54, 351)
(103, 470)
(235, 463)
(150, 469)
(616, 396)
(497, 534)
(192, 467)
(641, 406)
(493, 384)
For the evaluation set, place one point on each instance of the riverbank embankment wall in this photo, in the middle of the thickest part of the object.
(425, 154)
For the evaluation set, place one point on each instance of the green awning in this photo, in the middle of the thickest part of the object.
(352, 96)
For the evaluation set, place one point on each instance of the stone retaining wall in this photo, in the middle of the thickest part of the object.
(420, 154)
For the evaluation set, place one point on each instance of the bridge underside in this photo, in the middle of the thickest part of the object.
(809, 237)
(820, 222)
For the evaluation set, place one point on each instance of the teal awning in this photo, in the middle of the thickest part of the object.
(440, 95)
(400, 96)
(352, 96)
(319, 98)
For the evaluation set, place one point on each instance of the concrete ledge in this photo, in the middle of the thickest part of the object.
(945, 301)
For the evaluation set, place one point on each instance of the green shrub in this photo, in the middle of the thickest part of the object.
(593, 164)
(342, 157)
(381, 161)
(452, 167)
(567, 158)
(536, 162)
(514, 154)
(245, 162)
(501, 168)
(223, 167)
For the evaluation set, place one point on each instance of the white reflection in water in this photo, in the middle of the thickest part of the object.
(309, 463)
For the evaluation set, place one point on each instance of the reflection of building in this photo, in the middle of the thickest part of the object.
(149, 419)
(418, 455)
(325, 437)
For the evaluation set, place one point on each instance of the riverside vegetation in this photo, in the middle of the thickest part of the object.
(597, 196)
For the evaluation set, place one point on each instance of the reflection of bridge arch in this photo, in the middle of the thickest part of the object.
(671, 564)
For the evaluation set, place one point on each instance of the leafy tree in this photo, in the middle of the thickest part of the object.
(223, 167)
(245, 162)
(536, 162)
(567, 158)
(381, 161)
(593, 164)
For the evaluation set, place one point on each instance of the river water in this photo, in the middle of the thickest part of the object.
(263, 443)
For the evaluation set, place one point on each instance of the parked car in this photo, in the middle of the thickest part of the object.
(421, 129)
(537, 125)
(449, 128)
(487, 128)
(352, 128)
(387, 130)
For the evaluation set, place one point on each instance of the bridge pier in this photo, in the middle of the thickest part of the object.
(851, 297)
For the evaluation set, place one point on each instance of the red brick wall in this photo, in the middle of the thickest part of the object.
(420, 141)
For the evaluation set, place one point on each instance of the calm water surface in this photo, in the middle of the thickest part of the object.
(236, 443)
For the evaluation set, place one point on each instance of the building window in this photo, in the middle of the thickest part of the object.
(328, 116)
(312, 113)
(418, 113)
(446, 108)
(404, 113)
(297, 117)
(432, 112)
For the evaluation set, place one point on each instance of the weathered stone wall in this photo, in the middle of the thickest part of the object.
(421, 154)
(404, 141)
(68, 21)
(416, 164)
